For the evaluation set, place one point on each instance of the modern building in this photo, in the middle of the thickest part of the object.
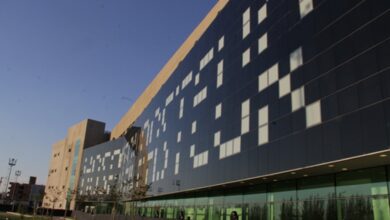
(274, 109)
(65, 164)
(27, 195)
(101, 167)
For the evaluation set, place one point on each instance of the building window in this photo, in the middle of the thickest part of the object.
(298, 98)
(218, 111)
(246, 26)
(262, 13)
(263, 125)
(245, 106)
(202, 95)
(193, 127)
(305, 7)
(246, 57)
(166, 159)
(192, 151)
(263, 42)
(177, 90)
(296, 59)
(178, 137)
(220, 74)
(186, 80)
(181, 108)
(284, 86)
(206, 59)
(177, 161)
(169, 99)
(197, 79)
(313, 114)
(201, 159)
(217, 138)
(230, 148)
(269, 77)
(221, 43)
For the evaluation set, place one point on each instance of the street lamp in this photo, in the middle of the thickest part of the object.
(17, 174)
(11, 163)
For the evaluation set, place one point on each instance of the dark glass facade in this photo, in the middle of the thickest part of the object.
(101, 165)
(325, 96)
(272, 86)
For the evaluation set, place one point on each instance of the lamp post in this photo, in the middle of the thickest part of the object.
(1, 181)
(11, 163)
(17, 174)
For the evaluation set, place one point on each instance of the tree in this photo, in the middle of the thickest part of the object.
(54, 196)
(70, 194)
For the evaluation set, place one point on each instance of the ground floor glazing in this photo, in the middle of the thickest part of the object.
(359, 194)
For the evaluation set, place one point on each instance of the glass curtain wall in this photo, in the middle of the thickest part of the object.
(361, 194)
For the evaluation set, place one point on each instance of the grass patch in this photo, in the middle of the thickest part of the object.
(4, 216)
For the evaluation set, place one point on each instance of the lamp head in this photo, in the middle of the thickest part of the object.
(12, 161)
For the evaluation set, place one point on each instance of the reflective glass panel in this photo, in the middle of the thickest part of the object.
(362, 194)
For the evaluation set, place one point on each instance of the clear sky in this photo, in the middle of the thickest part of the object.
(62, 61)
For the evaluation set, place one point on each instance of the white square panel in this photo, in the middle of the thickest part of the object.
(179, 137)
(192, 151)
(222, 151)
(284, 86)
(263, 135)
(197, 76)
(193, 127)
(262, 13)
(221, 43)
(305, 7)
(273, 74)
(298, 98)
(176, 169)
(313, 114)
(220, 67)
(196, 161)
(246, 16)
(229, 148)
(177, 157)
(237, 145)
(219, 80)
(246, 29)
(263, 43)
(245, 125)
(218, 111)
(263, 81)
(296, 59)
(263, 115)
(246, 57)
(245, 107)
(205, 157)
(217, 138)
(200, 160)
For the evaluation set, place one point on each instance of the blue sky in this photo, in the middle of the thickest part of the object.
(62, 61)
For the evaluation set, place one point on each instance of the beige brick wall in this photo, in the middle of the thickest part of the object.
(58, 182)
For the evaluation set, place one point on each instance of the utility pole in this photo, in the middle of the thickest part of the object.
(11, 163)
